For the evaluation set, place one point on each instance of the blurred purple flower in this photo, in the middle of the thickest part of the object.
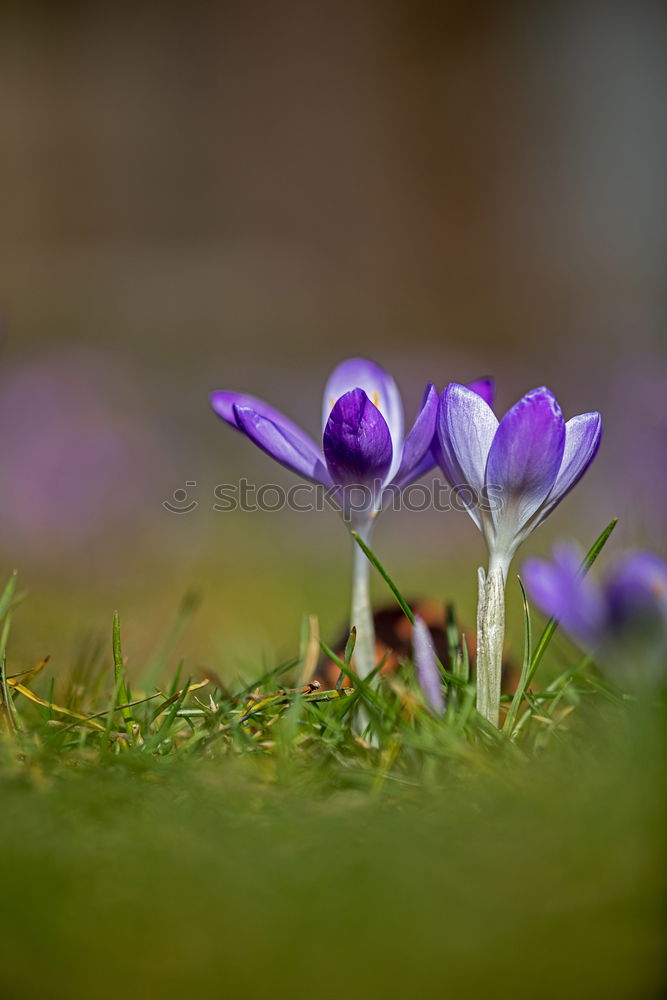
(529, 461)
(629, 604)
(74, 461)
(426, 664)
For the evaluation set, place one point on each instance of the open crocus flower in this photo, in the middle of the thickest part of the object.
(363, 455)
(522, 466)
(511, 474)
(623, 617)
(364, 450)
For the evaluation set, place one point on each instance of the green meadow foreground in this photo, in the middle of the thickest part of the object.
(160, 878)
(277, 837)
(293, 874)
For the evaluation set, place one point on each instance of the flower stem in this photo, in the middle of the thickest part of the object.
(490, 639)
(361, 615)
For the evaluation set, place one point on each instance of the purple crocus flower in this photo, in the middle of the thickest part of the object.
(522, 466)
(363, 450)
(426, 664)
(511, 474)
(623, 614)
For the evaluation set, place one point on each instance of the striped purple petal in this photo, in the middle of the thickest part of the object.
(484, 387)
(357, 442)
(381, 389)
(524, 459)
(295, 451)
(223, 402)
(417, 455)
(466, 428)
(583, 435)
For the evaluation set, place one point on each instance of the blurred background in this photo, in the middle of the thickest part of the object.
(239, 195)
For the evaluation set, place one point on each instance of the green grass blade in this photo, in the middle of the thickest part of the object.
(463, 668)
(309, 647)
(266, 678)
(510, 718)
(457, 648)
(164, 729)
(373, 559)
(349, 650)
(6, 702)
(187, 609)
(453, 637)
(558, 685)
(598, 545)
(7, 595)
(122, 696)
(361, 687)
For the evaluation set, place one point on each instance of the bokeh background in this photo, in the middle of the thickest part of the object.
(239, 195)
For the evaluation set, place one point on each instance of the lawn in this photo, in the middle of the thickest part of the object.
(141, 875)
(202, 841)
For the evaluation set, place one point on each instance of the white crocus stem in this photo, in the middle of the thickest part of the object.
(361, 615)
(490, 640)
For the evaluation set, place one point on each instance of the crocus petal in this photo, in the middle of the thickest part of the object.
(357, 442)
(486, 388)
(524, 460)
(223, 402)
(295, 451)
(582, 442)
(466, 428)
(417, 456)
(560, 590)
(379, 386)
(426, 663)
(427, 463)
